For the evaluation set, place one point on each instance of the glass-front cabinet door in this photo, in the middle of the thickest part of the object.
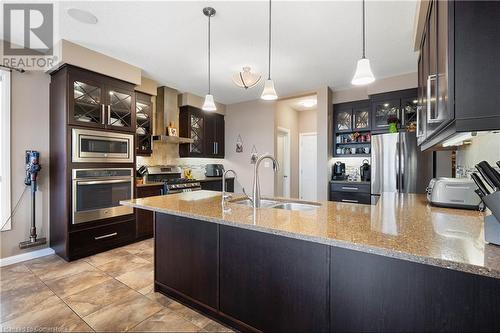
(361, 118)
(143, 116)
(343, 120)
(196, 131)
(409, 111)
(382, 110)
(120, 111)
(86, 107)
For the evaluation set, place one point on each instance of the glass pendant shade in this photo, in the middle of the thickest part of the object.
(209, 104)
(246, 79)
(269, 94)
(363, 73)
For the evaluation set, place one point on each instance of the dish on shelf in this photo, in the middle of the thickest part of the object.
(142, 116)
(140, 131)
(85, 119)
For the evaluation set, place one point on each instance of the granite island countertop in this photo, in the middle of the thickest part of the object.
(402, 226)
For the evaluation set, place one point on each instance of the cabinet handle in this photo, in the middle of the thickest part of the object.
(430, 78)
(350, 188)
(109, 114)
(106, 236)
(102, 114)
(217, 148)
(214, 148)
(348, 200)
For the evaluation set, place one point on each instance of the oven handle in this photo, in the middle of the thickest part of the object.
(96, 182)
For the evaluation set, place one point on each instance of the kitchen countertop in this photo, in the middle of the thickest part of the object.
(401, 226)
(355, 182)
(150, 184)
(205, 179)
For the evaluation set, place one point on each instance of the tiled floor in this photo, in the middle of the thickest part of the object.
(111, 291)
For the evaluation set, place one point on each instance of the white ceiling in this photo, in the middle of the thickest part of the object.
(297, 103)
(314, 43)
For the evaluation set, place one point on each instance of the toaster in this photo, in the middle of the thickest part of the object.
(453, 193)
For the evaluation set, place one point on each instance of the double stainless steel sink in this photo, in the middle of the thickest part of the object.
(287, 205)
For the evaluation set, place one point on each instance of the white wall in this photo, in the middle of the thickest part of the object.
(308, 121)
(288, 118)
(254, 122)
(483, 148)
(30, 130)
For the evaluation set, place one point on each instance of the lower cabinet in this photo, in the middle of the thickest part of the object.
(381, 294)
(144, 218)
(94, 240)
(186, 257)
(216, 185)
(273, 283)
(350, 192)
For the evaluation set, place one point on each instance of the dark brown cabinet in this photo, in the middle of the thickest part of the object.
(99, 101)
(192, 125)
(214, 135)
(205, 129)
(280, 272)
(144, 118)
(186, 257)
(216, 185)
(351, 128)
(401, 104)
(351, 192)
(144, 218)
(459, 70)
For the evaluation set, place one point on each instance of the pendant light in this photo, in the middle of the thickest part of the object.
(209, 104)
(363, 73)
(269, 94)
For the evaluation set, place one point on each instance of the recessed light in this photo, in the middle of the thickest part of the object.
(308, 103)
(82, 16)
(386, 105)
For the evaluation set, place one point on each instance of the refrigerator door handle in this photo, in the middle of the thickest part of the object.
(396, 160)
(402, 164)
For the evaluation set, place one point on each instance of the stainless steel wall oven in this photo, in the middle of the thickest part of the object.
(97, 193)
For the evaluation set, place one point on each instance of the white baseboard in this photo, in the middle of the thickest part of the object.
(26, 256)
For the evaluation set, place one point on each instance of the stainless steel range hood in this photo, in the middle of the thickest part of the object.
(167, 110)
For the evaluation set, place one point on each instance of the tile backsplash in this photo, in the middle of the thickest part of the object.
(168, 154)
(483, 147)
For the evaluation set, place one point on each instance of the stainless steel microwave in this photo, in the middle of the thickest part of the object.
(101, 147)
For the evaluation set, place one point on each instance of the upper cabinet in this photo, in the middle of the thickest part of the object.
(401, 104)
(99, 101)
(458, 70)
(214, 135)
(206, 129)
(144, 118)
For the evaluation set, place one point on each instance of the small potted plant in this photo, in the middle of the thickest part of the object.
(393, 124)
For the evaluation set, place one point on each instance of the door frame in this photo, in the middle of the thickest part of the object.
(286, 157)
(301, 135)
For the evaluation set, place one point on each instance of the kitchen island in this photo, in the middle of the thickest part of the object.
(399, 265)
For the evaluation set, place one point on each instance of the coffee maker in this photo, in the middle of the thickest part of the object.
(365, 171)
(338, 171)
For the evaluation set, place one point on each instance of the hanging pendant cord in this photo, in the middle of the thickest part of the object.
(269, 68)
(364, 42)
(209, 90)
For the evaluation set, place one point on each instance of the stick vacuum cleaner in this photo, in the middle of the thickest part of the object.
(32, 169)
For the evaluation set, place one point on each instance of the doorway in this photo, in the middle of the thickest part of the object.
(283, 157)
(307, 166)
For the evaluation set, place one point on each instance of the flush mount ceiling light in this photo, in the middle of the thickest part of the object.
(308, 103)
(82, 16)
(246, 79)
(269, 93)
(209, 104)
(364, 74)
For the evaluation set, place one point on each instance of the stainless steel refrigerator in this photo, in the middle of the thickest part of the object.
(398, 165)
